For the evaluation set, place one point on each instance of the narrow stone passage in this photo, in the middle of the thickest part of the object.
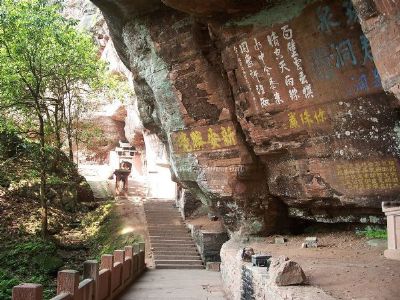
(170, 241)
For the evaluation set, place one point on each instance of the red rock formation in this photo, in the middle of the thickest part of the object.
(276, 113)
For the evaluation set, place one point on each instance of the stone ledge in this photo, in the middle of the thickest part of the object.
(244, 281)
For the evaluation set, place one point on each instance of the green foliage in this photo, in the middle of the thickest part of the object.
(28, 261)
(46, 65)
(114, 87)
(373, 232)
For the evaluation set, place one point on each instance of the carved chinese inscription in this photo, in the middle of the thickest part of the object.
(282, 78)
(319, 57)
(368, 175)
(204, 138)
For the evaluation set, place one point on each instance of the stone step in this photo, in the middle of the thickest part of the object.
(154, 232)
(170, 224)
(171, 239)
(170, 235)
(168, 227)
(177, 252)
(172, 219)
(175, 249)
(177, 257)
(172, 245)
(166, 215)
(162, 212)
(181, 228)
(172, 231)
(176, 228)
(166, 266)
(177, 262)
(165, 222)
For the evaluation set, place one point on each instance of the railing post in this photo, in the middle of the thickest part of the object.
(107, 262)
(68, 282)
(27, 291)
(141, 257)
(135, 261)
(129, 255)
(142, 246)
(128, 251)
(91, 271)
(119, 256)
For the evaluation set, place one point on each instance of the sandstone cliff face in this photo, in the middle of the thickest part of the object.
(269, 109)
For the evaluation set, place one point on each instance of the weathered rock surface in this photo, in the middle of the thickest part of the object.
(284, 272)
(268, 110)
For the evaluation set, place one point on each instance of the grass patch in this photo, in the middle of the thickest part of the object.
(106, 232)
(373, 233)
(32, 260)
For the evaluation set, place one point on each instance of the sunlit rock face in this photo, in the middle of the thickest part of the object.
(106, 116)
(269, 110)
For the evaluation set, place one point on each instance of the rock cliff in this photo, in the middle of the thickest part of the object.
(270, 110)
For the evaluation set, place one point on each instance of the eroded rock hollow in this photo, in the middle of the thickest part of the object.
(270, 110)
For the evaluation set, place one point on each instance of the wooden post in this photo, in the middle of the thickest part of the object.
(91, 271)
(27, 291)
(68, 282)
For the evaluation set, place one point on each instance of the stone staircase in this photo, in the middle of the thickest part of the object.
(171, 243)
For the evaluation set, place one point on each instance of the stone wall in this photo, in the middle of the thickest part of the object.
(187, 203)
(244, 281)
(269, 109)
(208, 243)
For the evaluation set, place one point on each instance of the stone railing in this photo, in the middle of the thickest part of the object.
(106, 282)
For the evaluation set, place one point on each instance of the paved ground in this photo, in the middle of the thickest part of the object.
(160, 284)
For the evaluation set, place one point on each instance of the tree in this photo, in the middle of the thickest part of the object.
(42, 60)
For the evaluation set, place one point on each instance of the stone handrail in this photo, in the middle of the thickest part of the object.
(106, 282)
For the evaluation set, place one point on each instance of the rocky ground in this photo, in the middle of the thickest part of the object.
(345, 265)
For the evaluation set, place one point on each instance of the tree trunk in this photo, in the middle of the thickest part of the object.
(57, 128)
(70, 145)
(43, 200)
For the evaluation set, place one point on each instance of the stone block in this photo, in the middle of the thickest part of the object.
(280, 240)
(310, 242)
(213, 266)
